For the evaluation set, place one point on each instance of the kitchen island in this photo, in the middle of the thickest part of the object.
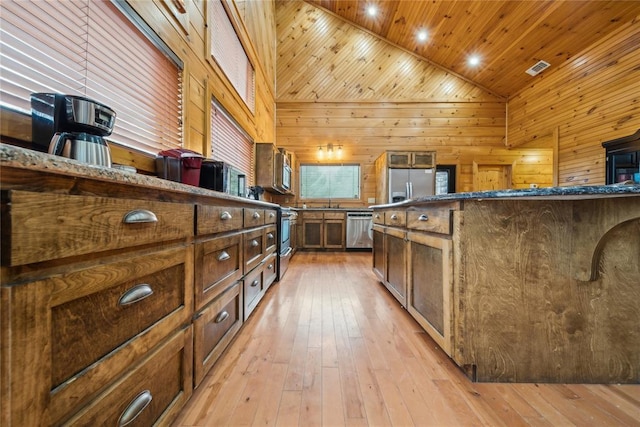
(535, 285)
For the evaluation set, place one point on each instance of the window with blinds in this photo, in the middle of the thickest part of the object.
(229, 143)
(330, 181)
(99, 49)
(229, 54)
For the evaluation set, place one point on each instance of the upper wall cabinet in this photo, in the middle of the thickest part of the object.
(411, 159)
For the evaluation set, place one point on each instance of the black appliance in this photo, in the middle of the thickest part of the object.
(445, 179)
(286, 228)
(623, 159)
(220, 176)
(71, 126)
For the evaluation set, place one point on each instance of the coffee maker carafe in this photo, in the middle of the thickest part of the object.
(72, 126)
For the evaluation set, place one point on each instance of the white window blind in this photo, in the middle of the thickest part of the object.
(330, 181)
(90, 48)
(229, 143)
(228, 52)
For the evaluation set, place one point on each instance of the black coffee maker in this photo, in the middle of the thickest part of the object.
(72, 126)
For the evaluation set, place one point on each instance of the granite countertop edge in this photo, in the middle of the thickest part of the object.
(573, 192)
(23, 158)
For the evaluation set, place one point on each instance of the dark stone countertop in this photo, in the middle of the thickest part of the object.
(560, 193)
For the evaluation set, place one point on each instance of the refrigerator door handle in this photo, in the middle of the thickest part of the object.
(410, 190)
(407, 190)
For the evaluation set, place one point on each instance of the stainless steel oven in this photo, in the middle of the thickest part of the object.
(285, 225)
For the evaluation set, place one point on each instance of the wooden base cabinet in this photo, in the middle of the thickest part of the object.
(214, 328)
(431, 286)
(323, 230)
(395, 248)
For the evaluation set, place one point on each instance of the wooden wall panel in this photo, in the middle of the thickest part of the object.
(342, 85)
(592, 99)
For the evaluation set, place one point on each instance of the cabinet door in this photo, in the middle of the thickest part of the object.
(378, 253)
(312, 233)
(334, 234)
(214, 328)
(423, 159)
(430, 286)
(395, 251)
(396, 160)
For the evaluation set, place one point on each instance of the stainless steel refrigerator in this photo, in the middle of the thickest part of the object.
(410, 183)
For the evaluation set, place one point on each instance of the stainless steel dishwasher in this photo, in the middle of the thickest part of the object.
(359, 230)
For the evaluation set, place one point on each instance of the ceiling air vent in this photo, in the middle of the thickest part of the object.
(538, 68)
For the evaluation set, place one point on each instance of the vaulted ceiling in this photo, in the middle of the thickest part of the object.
(508, 37)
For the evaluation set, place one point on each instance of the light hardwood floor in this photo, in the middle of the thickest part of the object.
(329, 346)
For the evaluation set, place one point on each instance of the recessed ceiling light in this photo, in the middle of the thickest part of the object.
(372, 10)
(474, 60)
(422, 35)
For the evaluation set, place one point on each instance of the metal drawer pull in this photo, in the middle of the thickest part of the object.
(423, 217)
(254, 243)
(222, 317)
(270, 267)
(224, 255)
(377, 216)
(135, 408)
(225, 216)
(394, 217)
(137, 216)
(271, 214)
(270, 236)
(256, 215)
(135, 294)
(255, 283)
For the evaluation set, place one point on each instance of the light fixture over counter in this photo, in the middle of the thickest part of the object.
(331, 153)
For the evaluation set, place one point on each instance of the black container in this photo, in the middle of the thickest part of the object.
(180, 165)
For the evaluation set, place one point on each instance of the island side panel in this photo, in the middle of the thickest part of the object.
(526, 317)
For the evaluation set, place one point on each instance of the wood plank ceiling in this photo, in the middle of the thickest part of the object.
(508, 36)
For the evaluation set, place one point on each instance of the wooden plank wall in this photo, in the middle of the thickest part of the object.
(342, 85)
(593, 98)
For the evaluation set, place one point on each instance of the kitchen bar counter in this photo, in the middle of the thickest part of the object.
(535, 285)
(574, 192)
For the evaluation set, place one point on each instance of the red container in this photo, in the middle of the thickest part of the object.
(180, 165)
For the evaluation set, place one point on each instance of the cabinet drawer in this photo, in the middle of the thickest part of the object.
(214, 328)
(218, 219)
(102, 308)
(253, 290)
(312, 215)
(270, 272)
(253, 217)
(378, 218)
(334, 215)
(436, 220)
(153, 393)
(219, 262)
(270, 238)
(45, 226)
(253, 249)
(270, 216)
(395, 217)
